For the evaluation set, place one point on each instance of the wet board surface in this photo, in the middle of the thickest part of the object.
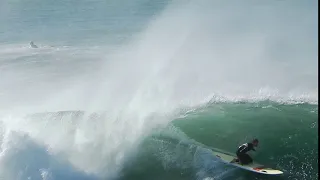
(254, 167)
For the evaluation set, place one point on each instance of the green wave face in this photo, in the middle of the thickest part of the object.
(288, 137)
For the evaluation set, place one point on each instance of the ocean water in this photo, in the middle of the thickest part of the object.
(144, 89)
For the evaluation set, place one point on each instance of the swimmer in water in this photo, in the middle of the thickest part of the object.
(33, 45)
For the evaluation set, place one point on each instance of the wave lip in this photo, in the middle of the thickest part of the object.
(264, 94)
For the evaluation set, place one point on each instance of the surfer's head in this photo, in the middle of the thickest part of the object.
(255, 142)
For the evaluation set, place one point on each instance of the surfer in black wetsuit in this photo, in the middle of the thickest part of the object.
(242, 155)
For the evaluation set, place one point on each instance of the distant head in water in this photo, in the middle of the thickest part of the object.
(255, 142)
(33, 45)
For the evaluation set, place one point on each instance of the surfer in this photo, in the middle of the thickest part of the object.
(242, 155)
(33, 45)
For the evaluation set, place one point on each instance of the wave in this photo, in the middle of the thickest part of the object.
(91, 146)
(288, 136)
(185, 60)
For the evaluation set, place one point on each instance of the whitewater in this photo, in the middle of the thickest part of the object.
(143, 89)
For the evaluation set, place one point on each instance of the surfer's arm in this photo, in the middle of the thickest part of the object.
(252, 148)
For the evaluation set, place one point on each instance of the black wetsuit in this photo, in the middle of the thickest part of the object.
(241, 153)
